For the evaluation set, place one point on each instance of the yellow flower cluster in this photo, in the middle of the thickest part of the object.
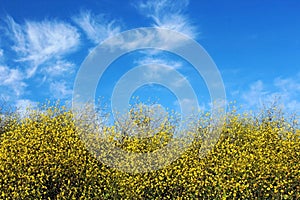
(42, 156)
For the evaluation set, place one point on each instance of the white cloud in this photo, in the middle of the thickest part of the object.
(155, 71)
(189, 105)
(255, 95)
(24, 104)
(286, 91)
(60, 90)
(12, 78)
(150, 60)
(38, 42)
(169, 14)
(145, 38)
(289, 92)
(96, 27)
(60, 67)
(17, 35)
(162, 69)
(293, 105)
(287, 84)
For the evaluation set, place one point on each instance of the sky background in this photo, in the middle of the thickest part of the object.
(255, 45)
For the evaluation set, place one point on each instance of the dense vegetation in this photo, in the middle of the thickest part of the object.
(42, 157)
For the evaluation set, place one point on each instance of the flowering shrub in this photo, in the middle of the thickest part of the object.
(7, 116)
(43, 157)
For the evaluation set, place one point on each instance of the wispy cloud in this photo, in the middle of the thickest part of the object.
(60, 89)
(38, 42)
(1, 55)
(96, 27)
(284, 90)
(159, 69)
(169, 14)
(165, 14)
(289, 92)
(12, 78)
(59, 68)
(189, 105)
(39, 47)
(289, 85)
(161, 61)
(255, 94)
(23, 104)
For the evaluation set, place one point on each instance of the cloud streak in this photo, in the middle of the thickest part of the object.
(284, 90)
(39, 42)
(60, 89)
(151, 60)
(12, 78)
(96, 27)
(168, 14)
(59, 68)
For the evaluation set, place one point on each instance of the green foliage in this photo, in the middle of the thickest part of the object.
(42, 157)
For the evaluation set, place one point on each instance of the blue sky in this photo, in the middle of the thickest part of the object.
(255, 45)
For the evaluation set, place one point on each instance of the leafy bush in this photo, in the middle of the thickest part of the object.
(256, 157)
